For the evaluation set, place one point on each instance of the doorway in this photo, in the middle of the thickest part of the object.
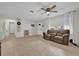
(11, 27)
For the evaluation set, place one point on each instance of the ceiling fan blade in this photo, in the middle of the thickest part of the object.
(53, 6)
(43, 13)
(43, 9)
(31, 11)
(38, 10)
(54, 11)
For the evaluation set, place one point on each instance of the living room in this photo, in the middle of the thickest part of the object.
(22, 25)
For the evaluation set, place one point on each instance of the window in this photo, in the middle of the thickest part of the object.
(66, 27)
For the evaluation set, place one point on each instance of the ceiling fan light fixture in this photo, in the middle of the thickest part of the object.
(48, 13)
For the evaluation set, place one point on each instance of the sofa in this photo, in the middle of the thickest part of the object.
(58, 36)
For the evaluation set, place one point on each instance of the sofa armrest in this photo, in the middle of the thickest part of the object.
(44, 34)
(65, 39)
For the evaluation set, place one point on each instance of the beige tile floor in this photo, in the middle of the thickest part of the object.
(35, 46)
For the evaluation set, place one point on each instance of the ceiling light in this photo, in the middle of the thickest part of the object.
(48, 13)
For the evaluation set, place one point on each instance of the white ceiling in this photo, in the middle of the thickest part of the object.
(21, 9)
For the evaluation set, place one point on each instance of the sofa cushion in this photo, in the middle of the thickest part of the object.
(53, 34)
(48, 35)
(50, 31)
(59, 34)
(58, 37)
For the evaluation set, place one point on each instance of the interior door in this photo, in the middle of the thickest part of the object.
(11, 27)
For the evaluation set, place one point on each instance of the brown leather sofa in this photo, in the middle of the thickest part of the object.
(59, 36)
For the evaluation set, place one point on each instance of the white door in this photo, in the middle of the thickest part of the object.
(11, 27)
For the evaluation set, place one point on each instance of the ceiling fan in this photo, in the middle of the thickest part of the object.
(49, 10)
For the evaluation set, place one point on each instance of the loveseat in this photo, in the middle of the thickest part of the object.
(59, 36)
